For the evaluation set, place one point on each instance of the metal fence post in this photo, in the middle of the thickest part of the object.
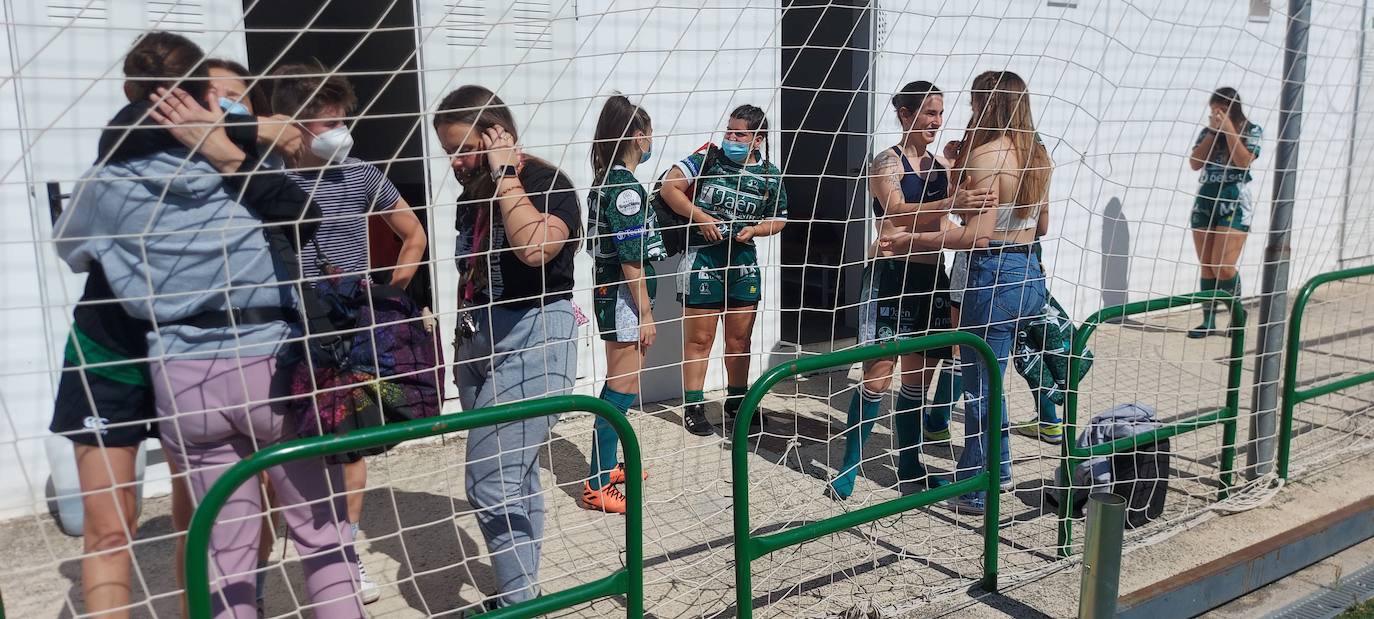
(1261, 450)
(1102, 556)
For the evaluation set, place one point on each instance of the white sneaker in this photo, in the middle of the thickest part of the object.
(368, 590)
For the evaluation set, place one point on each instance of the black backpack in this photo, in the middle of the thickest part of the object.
(672, 226)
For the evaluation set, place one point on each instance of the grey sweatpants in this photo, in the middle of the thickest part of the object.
(518, 354)
(212, 413)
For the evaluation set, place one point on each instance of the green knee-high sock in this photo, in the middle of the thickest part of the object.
(693, 396)
(1045, 409)
(1231, 285)
(734, 396)
(906, 421)
(1209, 310)
(604, 440)
(947, 392)
(863, 409)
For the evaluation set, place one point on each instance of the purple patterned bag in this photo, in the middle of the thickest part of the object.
(382, 364)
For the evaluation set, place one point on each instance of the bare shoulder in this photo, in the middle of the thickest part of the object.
(885, 160)
(997, 154)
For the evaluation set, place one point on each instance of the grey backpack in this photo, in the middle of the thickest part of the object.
(1141, 476)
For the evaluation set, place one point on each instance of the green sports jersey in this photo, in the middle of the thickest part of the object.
(737, 195)
(622, 226)
(1218, 169)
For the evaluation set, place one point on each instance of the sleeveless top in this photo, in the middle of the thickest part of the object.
(915, 190)
(1007, 221)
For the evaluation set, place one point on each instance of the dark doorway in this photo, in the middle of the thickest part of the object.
(373, 42)
(826, 57)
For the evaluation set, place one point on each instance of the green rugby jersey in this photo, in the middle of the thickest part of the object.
(1218, 169)
(623, 227)
(737, 195)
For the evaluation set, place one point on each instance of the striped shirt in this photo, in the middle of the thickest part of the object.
(347, 193)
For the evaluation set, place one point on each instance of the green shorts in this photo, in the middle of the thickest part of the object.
(617, 313)
(1223, 205)
(712, 274)
(903, 299)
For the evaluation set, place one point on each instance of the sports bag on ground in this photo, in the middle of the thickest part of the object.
(1141, 475)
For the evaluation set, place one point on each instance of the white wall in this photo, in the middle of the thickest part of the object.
(1120, 94)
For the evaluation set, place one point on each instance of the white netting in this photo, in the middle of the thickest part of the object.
(1119, 92)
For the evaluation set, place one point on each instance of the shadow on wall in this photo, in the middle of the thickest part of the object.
(1116, 255)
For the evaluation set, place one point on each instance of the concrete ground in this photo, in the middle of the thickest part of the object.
(423, 546)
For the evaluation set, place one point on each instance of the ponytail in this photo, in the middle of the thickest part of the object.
(617, 125)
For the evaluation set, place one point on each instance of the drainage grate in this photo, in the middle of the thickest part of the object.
(1329, 602)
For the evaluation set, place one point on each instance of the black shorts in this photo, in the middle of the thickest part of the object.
(902, 299)
(113, 414)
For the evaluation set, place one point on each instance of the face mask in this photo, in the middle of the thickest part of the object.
(233, 107)
(644, 157)
(332, 145)
(738, 152)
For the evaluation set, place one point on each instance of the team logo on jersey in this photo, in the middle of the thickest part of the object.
(884, 311)
(884, 332)
(628, 202)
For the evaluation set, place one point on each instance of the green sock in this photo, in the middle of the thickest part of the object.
(1209, 310)
(693, 396)
(1045, 408)
(947, 392)
(734, 396)
(605, 441)
(863, 409)
(906, 415)
(1231, 286)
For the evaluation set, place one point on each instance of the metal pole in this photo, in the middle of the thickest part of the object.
(1354, 135)
(1102, 556)
(1261, 450)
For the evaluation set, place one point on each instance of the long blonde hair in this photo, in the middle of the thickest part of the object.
(1001, 108)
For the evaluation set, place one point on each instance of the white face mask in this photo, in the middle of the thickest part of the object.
(332, 145)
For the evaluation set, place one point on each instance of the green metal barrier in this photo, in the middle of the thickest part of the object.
(749, 547)
(1226, 415)
(627, 581)
(1292, 396)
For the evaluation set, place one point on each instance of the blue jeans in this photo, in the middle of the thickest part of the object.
(1005, 290)
(517, 354)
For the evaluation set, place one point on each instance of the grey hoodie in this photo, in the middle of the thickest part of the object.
(174, 242)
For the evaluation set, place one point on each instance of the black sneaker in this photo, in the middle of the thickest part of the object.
(1199, 332)
(694, 419)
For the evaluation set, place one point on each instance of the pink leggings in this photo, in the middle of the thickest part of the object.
(213, 413)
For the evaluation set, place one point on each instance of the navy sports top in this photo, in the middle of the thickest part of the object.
(915, 190)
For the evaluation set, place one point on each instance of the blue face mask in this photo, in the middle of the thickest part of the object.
(233, 107)
(644, 157)
(738, 152)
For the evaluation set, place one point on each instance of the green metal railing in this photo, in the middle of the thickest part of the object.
(1292, 396)
(749, 547)
(627, 581)
(1226, 415)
